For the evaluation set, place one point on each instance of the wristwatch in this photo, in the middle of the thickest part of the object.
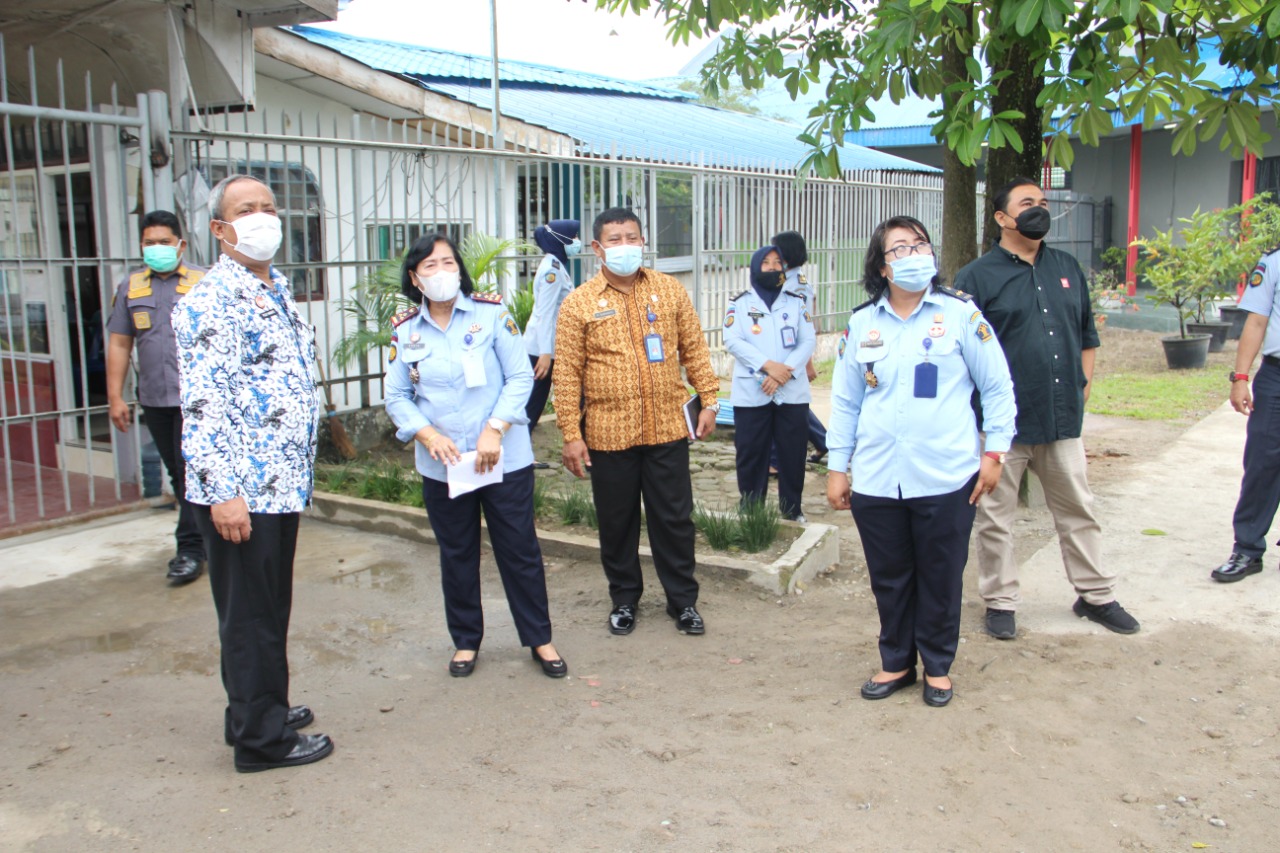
(714, 407)
(999, 457)
(1238, 377)
(500, 426)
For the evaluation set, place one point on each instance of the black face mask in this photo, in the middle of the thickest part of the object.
(1033, 223)
(770, 279)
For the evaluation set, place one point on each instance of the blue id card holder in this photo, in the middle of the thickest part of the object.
(789, 337)
(926, 379)
(653, 348)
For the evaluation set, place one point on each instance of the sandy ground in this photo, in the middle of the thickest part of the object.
(751, 738)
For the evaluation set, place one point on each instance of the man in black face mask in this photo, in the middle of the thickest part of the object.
(1037, 301)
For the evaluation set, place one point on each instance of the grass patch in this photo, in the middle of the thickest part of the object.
(384, 482)
(758, 523)
(721, 529)
(576, 507)
(340, 477)
(825, 369)
(1165, 396)
(541, 495)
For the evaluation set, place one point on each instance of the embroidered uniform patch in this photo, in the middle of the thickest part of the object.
(551, 278)
(512, 327)
(392, 356)
(983, 332)
(844, 342)
(141, 320)
(1255, 278)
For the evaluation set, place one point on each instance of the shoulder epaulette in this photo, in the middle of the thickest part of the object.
(953, 293)
(188, 278)
(793, 293)
(140, 284)
(489, 298)
(738, 296)
(407, 314)
(1271, 251)
(555, 263)
(866, 304)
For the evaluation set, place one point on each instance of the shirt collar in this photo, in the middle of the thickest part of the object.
(932, 296)
(604, 282)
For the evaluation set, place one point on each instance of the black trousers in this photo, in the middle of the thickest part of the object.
(916, 551)
(817, 437)
(1260, 488)
(660, 474)
(538, 396)
(165, 425)
(757, 430)
(508, 512)
(252, 586)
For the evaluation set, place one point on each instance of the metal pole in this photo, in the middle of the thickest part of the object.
(499, 172)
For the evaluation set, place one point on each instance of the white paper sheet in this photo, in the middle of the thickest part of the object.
(463, 477)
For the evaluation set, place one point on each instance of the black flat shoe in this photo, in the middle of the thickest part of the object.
(937, 697)
(463, 668)
(551, 668)
(622, 619)
(299, 717)
(1236, 568)
(885, 689)
(183, 569)
(688, 620)
(308, 749)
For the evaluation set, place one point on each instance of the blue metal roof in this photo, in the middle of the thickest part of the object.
(427, 62)
(602, 114)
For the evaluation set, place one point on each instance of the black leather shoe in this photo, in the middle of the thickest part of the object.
(308, 749)
(183, 569)
(688, 620)
(622, 619)
(1236, 568)
(1001, 624)
(1111, 616)
(299, 717)
(816, 458)
(463, 668)
(885, 689)
(551, 668)
(937, 697)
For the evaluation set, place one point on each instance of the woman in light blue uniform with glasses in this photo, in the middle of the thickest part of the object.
(902, 421)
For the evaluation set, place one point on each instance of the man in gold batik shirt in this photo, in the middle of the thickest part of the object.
(621, 340)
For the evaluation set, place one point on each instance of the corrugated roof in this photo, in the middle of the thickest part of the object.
(427, 62)
(661, 129)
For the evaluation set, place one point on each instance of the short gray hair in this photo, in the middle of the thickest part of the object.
(215, 196)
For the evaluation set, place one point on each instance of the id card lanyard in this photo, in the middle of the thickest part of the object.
(926, 374)
(653, 341)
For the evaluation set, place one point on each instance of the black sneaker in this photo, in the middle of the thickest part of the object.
(1001, 624)
(688, 621)
(1111, 616)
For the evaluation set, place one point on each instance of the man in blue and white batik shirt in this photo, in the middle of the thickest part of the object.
(250, 412)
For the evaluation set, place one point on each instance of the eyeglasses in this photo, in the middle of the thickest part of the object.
(901, 252)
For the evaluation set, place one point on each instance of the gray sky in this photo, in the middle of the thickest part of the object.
(562, 33)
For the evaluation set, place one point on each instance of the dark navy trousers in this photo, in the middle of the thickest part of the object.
(508, 513)
(916, 551)
(1260, 488)
(756, 431)
(252, 585)
(817, 437)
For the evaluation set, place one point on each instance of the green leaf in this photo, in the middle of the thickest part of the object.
(1029, 15)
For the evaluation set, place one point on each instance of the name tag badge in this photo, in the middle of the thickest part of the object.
(926, 380)
(473, 369)
(604, 315)
(653, 348)
(789, 337)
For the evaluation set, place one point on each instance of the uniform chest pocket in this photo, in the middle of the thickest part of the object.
(142, 312)
(870, 354)
(940, 347)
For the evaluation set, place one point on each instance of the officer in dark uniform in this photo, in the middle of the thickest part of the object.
(1260, 489)
(141, 311)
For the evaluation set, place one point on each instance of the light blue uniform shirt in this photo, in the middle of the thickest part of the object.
(473, 370)
(787, 322)
(917, 445)
(1260, 297)
(550, 286)
(796, 282)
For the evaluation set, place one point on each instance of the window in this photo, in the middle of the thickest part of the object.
(301, 208)
(389, 241)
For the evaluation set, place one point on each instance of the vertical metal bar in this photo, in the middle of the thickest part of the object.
(76, 345)
(12, 498)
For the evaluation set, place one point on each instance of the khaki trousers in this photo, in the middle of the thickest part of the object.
(1061, 467)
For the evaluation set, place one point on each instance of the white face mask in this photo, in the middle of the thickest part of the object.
(440, 287)
(259, 235)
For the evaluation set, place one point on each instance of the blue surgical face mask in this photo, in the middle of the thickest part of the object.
(623, 260)
(574, 247)
(914, 272)
(161, 258)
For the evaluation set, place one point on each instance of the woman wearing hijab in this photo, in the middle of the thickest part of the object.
(901, 413)
(558, 239)
(769, 333)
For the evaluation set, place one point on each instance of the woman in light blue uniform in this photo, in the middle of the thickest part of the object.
(908, 365)
(553, 282)
(457, 382)
(768, 331)
(795, 254)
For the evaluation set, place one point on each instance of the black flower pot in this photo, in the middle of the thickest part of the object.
(1217, 331)
(1235, 315)
(1189, 353)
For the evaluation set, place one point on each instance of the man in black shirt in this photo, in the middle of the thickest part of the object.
(1037, 300)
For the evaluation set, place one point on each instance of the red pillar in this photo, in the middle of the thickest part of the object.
(1135, 193)
(1248, 187)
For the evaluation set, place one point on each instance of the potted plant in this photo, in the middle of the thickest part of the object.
(1175, 270)
(1107, 288)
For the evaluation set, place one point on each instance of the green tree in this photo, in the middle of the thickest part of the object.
(1024, 61)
